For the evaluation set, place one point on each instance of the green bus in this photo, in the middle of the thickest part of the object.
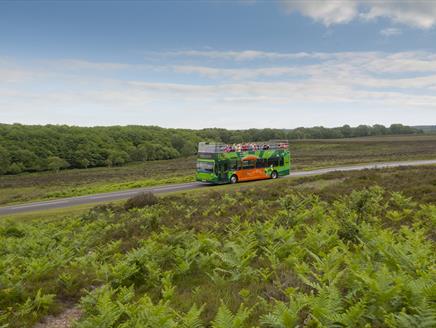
(219, 163)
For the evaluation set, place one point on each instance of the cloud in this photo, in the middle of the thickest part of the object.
(421, 14)
(234, 55)
(405, 81)
(391, 31)
(10, 75)
(400, 62)
(237, 73)
(338, 64)
(326, 12)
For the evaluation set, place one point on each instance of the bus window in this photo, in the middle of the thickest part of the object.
(261, 163)
(233, 165)
(273, 161)
(206, 167)
(246, 165)
(220, 167)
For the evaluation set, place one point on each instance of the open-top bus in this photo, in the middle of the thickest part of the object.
(219, 163)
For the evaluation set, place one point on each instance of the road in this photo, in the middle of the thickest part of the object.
(118, 195)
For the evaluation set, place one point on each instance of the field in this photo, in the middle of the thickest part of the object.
(48, 185)
(306, 154)
(322, 153)
(353, 249)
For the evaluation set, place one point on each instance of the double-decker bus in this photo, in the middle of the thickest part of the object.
(219, 163)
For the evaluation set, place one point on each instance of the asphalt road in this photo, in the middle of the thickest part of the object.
(117, 195)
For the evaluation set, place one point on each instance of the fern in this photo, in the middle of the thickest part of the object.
(226, 319)
(344, 269)
(284, 316)
(424, 318)
(192, 319)
(167, 287)
(352, 317)
(324, 305)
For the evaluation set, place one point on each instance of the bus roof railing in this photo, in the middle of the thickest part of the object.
(212, 147)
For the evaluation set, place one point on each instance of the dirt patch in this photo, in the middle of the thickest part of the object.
(64, 320)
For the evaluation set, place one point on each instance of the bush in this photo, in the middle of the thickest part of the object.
(12, 231)
(141, 200)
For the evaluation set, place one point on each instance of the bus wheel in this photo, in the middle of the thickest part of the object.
(274, 175)
(233, 179)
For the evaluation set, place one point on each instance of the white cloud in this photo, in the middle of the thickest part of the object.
(421, 14)
(238, 73)
(366, 67)
(390, 31)
(321, 82)
(235, 55)
(10, 75)
(401, 62)
(326, 12)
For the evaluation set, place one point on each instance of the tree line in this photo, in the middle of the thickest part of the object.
(33, 148)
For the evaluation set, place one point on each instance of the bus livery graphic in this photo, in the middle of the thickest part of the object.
(218, 163)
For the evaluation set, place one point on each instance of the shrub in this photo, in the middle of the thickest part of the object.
(12, 231)
(141, 200)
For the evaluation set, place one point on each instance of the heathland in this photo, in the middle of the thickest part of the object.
(350, 249)
(353, 249)
(56, 147)
(306, 154)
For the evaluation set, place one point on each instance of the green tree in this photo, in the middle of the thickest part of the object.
(188, 149)
(4, 161)
(362, 131)
(56, 163)
(16, 168)
(378, 130)
(84, 162)
(26, 157)
(177, 142)
(116, 158)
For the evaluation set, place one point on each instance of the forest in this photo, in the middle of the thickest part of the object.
(35, 148)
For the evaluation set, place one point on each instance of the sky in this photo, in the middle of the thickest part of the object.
(230, 64)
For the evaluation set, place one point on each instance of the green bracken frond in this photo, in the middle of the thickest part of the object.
(192, 319)
(226, 319)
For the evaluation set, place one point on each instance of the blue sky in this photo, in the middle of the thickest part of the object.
(237, 64)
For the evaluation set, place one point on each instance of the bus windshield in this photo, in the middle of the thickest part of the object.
(206, 167)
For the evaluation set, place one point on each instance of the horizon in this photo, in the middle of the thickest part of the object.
(233, 65)
(205, 128)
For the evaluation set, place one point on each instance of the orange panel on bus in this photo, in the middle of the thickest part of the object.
(251, 174)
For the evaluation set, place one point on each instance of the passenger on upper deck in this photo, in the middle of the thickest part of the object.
(253, 147)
